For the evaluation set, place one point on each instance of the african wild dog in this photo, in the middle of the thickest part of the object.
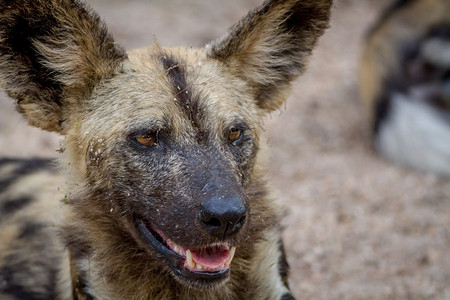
(163, 193)
(405, 83)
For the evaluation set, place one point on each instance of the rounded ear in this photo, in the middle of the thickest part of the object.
(52, 51)
(270, 47)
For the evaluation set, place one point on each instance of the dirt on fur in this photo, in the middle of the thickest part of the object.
(357, 226)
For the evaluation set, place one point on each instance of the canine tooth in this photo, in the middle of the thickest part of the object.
(189, 259)
(232, 252)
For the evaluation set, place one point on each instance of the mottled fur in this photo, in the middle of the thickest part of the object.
(67, 75)
(405, 83)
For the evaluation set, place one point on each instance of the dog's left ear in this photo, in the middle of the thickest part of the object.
(271, 45)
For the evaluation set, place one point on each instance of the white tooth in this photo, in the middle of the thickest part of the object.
(232, 252)
(199, 267)
(189, 260)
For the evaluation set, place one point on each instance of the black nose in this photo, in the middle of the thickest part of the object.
(223, 216)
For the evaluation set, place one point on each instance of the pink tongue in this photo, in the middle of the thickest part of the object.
(211, 258)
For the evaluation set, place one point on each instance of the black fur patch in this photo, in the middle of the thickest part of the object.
(283, 265)
(30, 230)
(26, 275)
(12, 286)
(382, 110)
(176, 73)
(441, 31)
(287, 296)
(24, 167)
(182, 93)
(74, 240)
(13, 205)
(32, 162)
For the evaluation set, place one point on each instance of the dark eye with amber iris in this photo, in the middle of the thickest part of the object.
(147, 140)
(234, 135)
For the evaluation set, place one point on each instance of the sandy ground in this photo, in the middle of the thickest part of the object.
(357, 227)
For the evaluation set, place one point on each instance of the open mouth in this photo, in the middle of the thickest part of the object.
(206, 265)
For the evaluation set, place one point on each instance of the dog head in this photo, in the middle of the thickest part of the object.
(161, 145)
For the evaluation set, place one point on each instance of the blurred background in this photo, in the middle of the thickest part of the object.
(357, 226)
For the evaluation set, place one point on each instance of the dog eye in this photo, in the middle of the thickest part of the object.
(235, 135)
(146, 140)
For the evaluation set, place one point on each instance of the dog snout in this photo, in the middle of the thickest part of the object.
(223, 216)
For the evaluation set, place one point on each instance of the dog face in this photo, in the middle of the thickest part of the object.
(174, 153)
(162, 146)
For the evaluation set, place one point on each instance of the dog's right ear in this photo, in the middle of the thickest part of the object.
(52, 54)
(270, 47)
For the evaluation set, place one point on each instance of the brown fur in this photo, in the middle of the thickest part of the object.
(68, 75)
